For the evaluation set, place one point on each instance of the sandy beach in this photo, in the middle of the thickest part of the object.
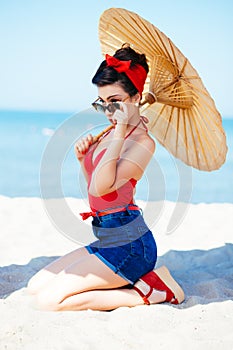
(199, 253)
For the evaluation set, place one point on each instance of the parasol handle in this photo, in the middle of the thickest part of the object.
(149, 98)
(97, 137)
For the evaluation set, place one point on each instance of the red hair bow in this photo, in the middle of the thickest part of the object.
(119, 66)
(137, 74)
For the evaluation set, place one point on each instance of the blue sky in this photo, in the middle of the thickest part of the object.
(50, 48)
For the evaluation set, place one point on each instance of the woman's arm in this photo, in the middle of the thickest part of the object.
(112, 172)
(104, 174)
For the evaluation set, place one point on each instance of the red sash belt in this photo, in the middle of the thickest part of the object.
(86, 215)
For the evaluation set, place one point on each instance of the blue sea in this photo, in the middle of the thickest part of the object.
(37, 158)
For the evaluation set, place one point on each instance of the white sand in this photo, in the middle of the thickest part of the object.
(199, 254)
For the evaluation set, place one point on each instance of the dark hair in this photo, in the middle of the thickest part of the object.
(108, 75)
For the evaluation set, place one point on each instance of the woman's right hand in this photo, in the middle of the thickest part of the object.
(81, 146)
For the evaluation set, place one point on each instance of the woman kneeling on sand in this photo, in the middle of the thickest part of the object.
(117, 269)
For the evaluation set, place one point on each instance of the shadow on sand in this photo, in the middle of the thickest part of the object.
(205, 275)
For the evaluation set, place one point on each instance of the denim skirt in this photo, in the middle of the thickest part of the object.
(124, 243)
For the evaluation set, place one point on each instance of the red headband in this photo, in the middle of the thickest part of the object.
(137, 74)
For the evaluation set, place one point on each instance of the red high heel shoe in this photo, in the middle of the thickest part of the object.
(161, 280)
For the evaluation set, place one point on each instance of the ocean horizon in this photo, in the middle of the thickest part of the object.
(27, 138)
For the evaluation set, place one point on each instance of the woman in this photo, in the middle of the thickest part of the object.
(117, 269)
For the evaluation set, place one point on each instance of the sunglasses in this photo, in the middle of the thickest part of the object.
(110, 107)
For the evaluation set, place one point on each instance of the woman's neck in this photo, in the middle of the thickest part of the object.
(135, 121)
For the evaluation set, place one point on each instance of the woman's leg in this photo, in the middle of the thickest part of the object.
(89, 273)
(101, 300)
(104, 300)
(42, 277)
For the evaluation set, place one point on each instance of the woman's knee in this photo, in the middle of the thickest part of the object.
(32, 286)
(39, 281)
(46, 301)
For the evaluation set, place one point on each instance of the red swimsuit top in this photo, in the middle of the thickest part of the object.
(118, 198)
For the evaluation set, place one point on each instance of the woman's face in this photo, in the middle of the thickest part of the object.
(115, 93)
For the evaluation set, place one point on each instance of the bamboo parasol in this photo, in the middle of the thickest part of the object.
(182, 115)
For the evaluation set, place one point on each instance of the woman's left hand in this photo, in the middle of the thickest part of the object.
(120, 116)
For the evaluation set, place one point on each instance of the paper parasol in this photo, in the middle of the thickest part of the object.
(182, 115)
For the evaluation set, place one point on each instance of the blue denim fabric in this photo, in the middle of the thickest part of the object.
(125, 244)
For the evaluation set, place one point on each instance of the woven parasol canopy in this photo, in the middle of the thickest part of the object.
(182, 115)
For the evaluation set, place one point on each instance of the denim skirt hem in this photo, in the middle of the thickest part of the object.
(106, 262)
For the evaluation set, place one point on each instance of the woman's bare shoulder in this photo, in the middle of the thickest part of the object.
(147, 141)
